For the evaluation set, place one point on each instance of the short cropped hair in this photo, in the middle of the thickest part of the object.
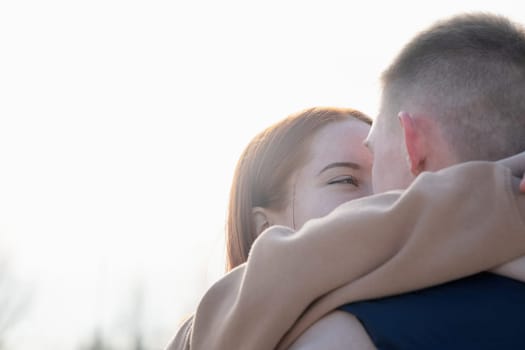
(469, 73)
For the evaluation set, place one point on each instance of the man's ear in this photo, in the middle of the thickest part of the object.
(261, 219)
(414, 142)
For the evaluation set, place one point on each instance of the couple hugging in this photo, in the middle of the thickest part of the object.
(348, 234)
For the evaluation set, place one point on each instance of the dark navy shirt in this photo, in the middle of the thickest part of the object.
(485, 311)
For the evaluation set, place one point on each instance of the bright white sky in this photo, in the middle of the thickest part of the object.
(120, 125)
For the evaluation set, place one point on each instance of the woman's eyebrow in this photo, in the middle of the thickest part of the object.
(351, 165)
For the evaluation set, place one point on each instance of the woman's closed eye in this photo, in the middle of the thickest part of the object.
(345, 180)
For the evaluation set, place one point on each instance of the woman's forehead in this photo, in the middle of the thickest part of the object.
(339, 142)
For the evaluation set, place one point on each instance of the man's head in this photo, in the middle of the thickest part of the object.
(455, 93)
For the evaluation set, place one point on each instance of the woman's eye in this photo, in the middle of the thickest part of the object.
(350, 180)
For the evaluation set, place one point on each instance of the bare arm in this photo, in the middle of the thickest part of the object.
(514, 269)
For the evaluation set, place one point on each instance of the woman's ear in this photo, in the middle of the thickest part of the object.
(261, 219)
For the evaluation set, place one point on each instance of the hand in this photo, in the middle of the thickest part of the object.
(516, 164)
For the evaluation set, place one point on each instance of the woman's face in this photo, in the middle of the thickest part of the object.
(337, 170)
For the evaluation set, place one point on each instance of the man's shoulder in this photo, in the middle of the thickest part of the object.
(474, 312)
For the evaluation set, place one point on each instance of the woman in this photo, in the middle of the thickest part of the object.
(300, 168)
(296, 170)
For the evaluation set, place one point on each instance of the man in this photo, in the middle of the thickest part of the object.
(455, 93)
(254, 306)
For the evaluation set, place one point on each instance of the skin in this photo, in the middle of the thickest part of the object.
(337, 170)
(390, 156)
(345, 332)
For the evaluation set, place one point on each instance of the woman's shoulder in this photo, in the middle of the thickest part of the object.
(183, 336)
